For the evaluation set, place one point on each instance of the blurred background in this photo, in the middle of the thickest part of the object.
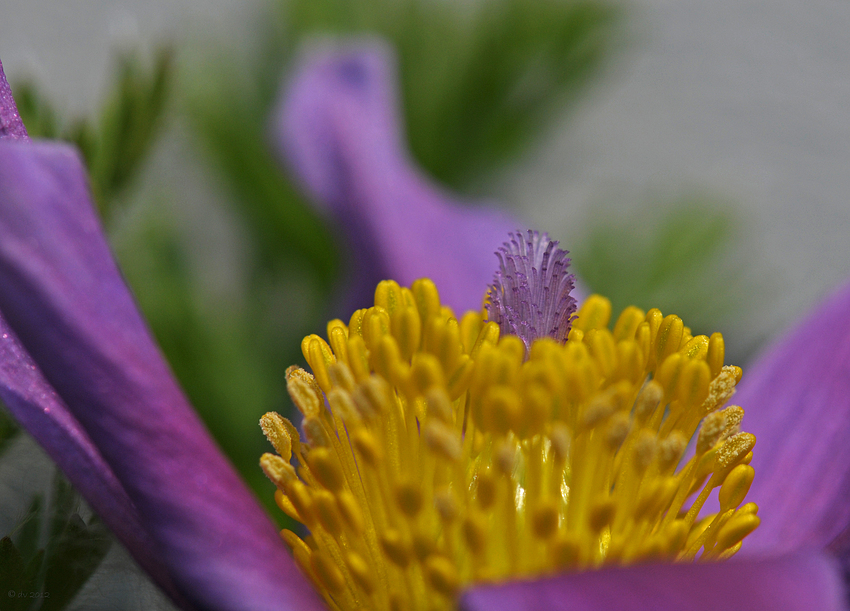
(692, 156)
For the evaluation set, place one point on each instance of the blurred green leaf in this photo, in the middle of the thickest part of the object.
(128, 123)
(72, 558)
(231, 115)
(37, 113)
(12, 581)
(48, 574)
(8, 428)
(116, 142)
(28, 531)
(675, 255)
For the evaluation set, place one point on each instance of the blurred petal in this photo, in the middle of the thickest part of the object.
(11, 126)
(793, 584)
(339, 128)
(37, 408)
(797, 402)
(63, 295)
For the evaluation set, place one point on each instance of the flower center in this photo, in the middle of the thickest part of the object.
(439, 454)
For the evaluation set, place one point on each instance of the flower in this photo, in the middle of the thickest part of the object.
(398, 224)
(81, 372)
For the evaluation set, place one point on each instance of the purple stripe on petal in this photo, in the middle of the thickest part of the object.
(799, 583)
(339, 128)
(36, 407)
(63, 295)
(797, 402)
(11, 126)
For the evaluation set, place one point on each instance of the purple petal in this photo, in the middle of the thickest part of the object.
(37, 408)
(797, 402)
(63, 295)
(339, 128)
(11, 126)
(801, 583)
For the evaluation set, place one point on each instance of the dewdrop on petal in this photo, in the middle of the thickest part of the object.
(529, 438)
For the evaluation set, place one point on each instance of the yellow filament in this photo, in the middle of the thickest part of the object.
(439, 454)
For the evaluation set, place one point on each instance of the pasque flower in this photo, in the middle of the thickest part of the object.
(82, 374)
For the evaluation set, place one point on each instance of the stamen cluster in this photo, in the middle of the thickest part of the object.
(437, 453)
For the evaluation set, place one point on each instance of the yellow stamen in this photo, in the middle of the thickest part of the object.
(439, 454)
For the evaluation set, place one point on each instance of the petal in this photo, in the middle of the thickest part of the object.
(797, 403)
(11, 126)
(339, 128)
(37, 408)
(799, 583)
(63, 295)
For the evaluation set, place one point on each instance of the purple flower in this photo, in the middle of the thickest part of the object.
(80, 371)
(339, 122)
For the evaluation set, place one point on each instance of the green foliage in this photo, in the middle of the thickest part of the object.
(675, 255)
(231, 115)
(36, 577)
(8, 428)
(115, 143)
(480, 80)
(38, 114)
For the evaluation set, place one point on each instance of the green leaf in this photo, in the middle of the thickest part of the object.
(12, 579)
(230, 113)
(681, 256)
(36, 112)
(64, 502)
(28, 531)
(72, 558)
(128, 124)
(8, 428)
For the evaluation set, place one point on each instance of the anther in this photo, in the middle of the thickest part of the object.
(409, 498)
(738, 527)
(368, 449)
(442, 575)
(560, 438)
(442, 440)
(303, 394)
(670, 450)
(277, 470)
(446, 506)
(326, 511)
(618, 430)
(327, 572)
(485, 492)
(475, 532)
(645, 449)
(544, 519)
(315, 432)
(360, 572)
(395, 547)
(350, 511)
(710, 432)
(326, 469)
(734, 416)
(736, 486)
(733, 451)
(275, 431)
(601, 514)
